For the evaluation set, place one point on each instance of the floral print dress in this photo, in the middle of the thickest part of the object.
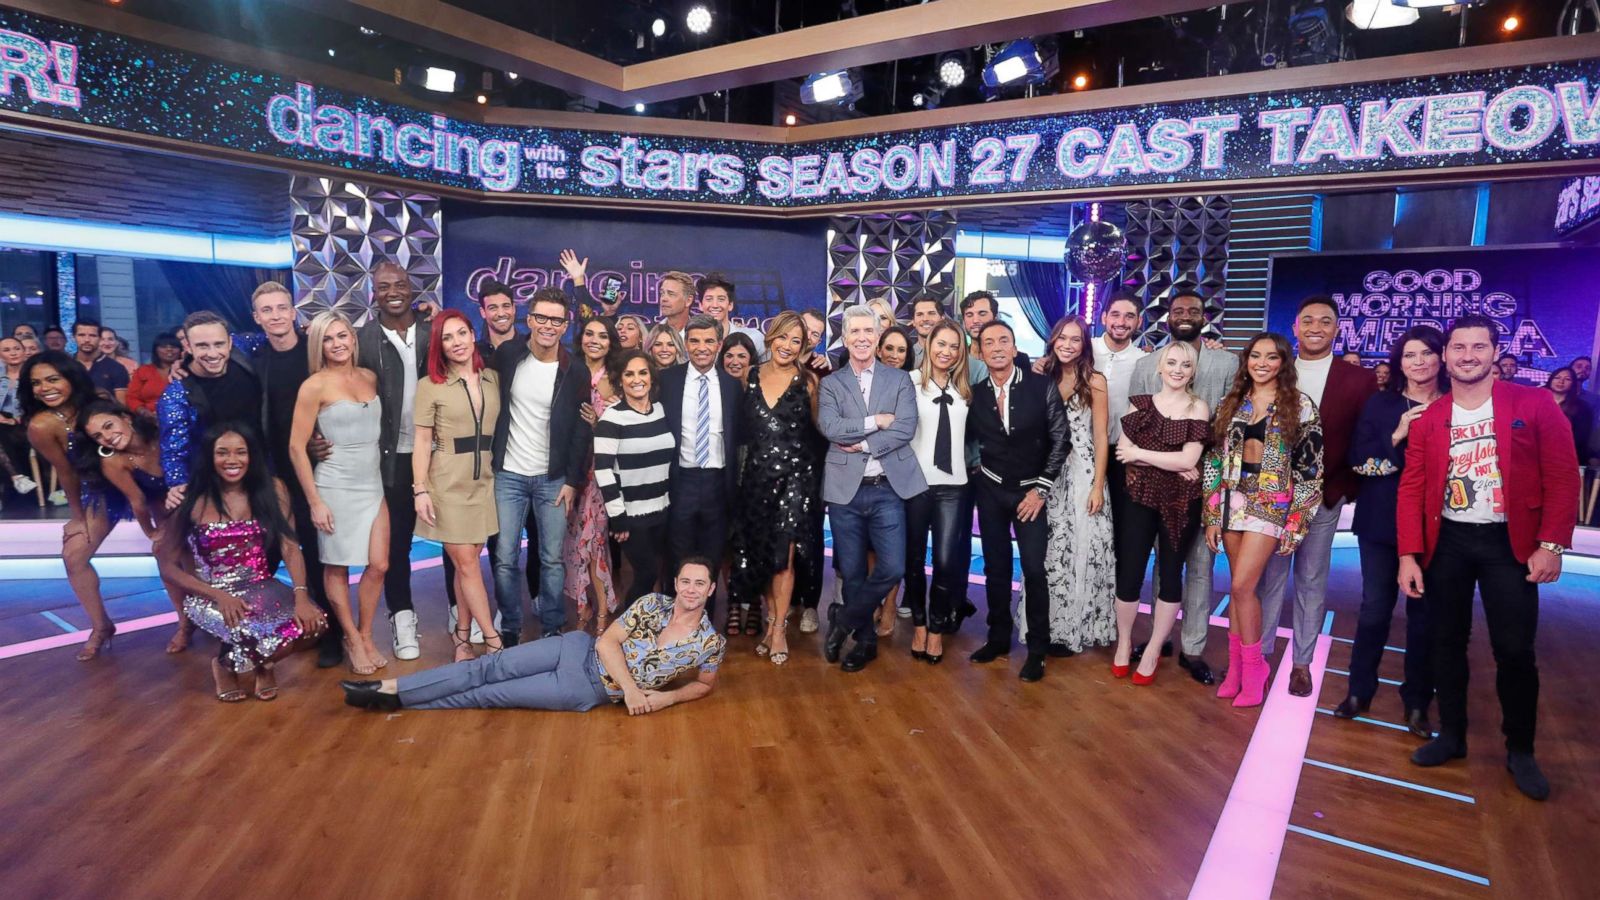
(588, 538)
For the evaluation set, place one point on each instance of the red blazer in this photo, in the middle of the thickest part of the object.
(1346, 394)
(1538, 472)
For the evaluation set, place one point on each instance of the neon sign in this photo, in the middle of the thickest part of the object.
(1578, 204)
(1542, 113)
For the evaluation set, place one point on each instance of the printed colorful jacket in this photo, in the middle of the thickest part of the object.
(1289, 486)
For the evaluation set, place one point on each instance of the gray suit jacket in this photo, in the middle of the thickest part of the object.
(841, 417)
(1212, 378)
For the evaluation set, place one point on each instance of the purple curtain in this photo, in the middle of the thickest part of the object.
(225, 290)
(1041, 288)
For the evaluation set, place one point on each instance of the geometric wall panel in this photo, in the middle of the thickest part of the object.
(1177, 244)
(899, 256)
(343, 230)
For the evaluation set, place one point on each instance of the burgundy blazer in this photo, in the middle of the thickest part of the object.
(1346, 394)
(1538, 472)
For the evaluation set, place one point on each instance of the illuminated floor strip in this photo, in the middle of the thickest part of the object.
(1409, 785)
(1385, 646)
(1327, 622)
(77, 637)
(1223, 606)
(1242, 860)
(1379, 722)
(1390, 854)
(59, 622)
(1381, 679)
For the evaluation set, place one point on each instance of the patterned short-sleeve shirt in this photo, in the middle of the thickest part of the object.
(652, 666)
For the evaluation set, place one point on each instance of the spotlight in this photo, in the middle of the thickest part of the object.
(1080, 81)
(440, 80)
(512, 76)
(1512, 23)
(1019, 62)
(918, 99)
(789, 119)
(830, 87)
(332, 52)
(952, 71)
(658, 27)
(1374, 14)
(483, 99)
(367, 32)
(698, 19)
(638, 107)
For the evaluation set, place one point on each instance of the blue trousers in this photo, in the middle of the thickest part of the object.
(875, 520)
(559, 673)
(519, 499)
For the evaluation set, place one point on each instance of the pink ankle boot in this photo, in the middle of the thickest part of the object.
(1253, 690)
(1235, 676)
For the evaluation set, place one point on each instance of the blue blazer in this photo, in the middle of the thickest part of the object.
(841, 417)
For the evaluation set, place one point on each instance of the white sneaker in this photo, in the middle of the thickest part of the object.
(903, 612)
(405, 635)
(24, 484)
(808, 621)
(476, 634)
(58, 498)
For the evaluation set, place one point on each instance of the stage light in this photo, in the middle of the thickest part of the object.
(483, 99)
(918, 99)
(830, 87)
(1370, 15)
(952, 71)
(512, 76)
(332, 52)
(698, 19)
(368, 32)
(789, 119)
(1512, 23)
(1080, 81)
(1019, 62)
(638, 107)
(441, 80)
(658, 27)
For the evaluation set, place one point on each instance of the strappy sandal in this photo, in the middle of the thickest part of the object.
(180, 641)
(779, 657)
(752, 621)
(221, 677)
(270, 691)
(358, 668)
(764, 647)
(463, 641)
(493, 644)
(99, 642)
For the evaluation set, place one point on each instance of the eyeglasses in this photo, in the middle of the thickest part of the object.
(547, 320)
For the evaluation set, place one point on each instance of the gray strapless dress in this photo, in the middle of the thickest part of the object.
(350, 481)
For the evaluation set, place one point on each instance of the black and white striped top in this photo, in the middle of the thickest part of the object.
(633, 455)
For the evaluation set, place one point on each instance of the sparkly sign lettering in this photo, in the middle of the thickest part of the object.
(1545, 113)
(1578, 204)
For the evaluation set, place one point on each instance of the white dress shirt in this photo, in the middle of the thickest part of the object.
(864, 380)
(691, 414)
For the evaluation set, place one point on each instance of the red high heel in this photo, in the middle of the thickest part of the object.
(1144, 679)
(1120, 671)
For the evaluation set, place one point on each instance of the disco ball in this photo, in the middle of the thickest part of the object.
(1096, 251)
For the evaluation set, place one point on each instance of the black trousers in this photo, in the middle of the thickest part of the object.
(938, 509)
(1479, 556)
(402, 527)
(1117, 487)
(997, 519)
(306, 533)
(646, 550)
(1135, 528)
(1380, 576)
(698, 521)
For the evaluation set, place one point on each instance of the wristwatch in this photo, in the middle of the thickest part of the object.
(1553, 547)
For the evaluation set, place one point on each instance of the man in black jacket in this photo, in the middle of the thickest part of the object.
(1020, 425)
(541, 449)
(701, 403)
(394, 344)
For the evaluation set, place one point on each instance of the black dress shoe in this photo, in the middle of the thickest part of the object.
(365, 695)
(330, 650)
(834, 644)
(858, 657)
(1033, 669)
(1417, 723)
(964, 611)
(1352, 706)
(1525, 772)
(1197, 667)
(991, 651)
(919, 656)
(1059, 651)
(510, 638)
(1439, 751)
(1138, 651)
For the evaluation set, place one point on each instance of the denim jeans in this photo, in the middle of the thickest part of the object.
(558, 673)
(874, 519)
(513, 496)
(1311, 561)
(938, 509)
(1380, 576)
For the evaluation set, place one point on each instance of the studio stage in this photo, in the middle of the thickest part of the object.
(125, 778)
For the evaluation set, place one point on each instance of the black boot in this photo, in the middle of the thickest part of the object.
(1033, 669)
(992, 651)
(1525, 772)
(1440, 750)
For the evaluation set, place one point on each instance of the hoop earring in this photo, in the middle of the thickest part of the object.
(106, 452)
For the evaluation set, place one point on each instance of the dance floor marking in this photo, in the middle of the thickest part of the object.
(1369, 721)
(1409, 785)
(1389, 854)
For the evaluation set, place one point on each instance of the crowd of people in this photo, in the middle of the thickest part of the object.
(648, 463)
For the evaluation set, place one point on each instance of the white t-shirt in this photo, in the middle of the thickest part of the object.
(1117, 367)
(405, 343)
(1313, 376)
(533, 389)
(1472, 489)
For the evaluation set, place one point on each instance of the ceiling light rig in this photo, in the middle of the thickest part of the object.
(658, 27)
(952, 71)
(839, 88)
(698, 19)
(1371, 15)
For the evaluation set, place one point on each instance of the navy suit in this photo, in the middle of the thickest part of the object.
(700, 498)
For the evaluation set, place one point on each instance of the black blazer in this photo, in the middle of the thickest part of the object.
(570, 437)
(1031, 455)
(672, 382)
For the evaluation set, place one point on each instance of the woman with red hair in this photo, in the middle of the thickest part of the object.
(457, 407)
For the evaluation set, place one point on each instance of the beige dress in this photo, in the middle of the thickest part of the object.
(460, 475)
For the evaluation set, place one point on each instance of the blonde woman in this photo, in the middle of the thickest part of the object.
(665, 346)
(345, 493)
(1163, 435)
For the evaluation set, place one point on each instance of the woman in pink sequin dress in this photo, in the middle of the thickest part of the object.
(216, 548)
(587, 549)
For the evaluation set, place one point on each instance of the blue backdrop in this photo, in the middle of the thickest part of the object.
(1545, 300)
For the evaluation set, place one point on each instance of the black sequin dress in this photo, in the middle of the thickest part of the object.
(780, 489)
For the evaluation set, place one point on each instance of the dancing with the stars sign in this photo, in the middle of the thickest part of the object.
(1543, 300)
(54, 70)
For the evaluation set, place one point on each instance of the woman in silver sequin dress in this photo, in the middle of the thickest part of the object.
(216, 549)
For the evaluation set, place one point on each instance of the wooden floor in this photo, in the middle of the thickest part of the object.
(124, 778)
